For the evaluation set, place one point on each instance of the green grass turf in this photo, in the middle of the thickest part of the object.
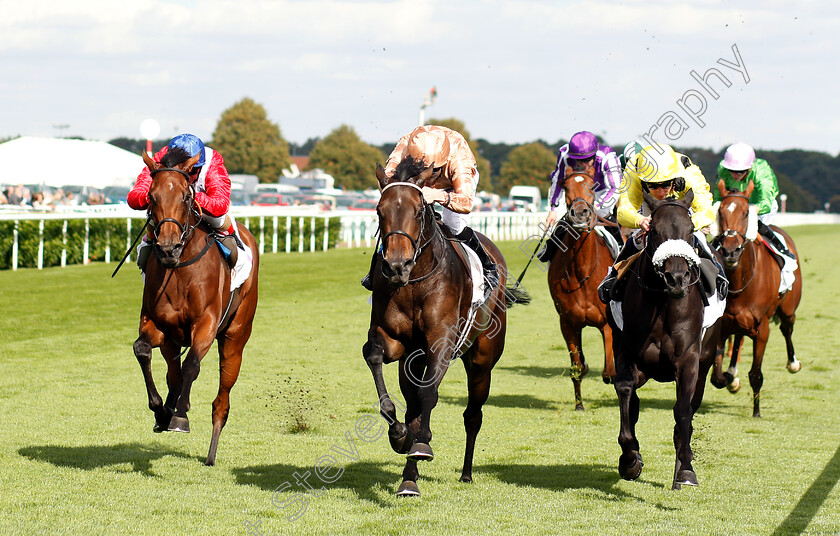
(78, 456)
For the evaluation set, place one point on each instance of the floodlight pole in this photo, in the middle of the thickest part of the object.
(428, 100)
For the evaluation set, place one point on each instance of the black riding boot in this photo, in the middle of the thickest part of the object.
(143, 255)
(768, 234)
(606, 286)
(367, 281)
(721, 282)
(551, 247)
(491, 275)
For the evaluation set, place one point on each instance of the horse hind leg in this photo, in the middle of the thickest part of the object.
(230, 361)
(733, 382)
(756, 377)
(786, 327)
(578, 368)
(478, 387)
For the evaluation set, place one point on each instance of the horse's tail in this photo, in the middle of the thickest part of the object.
(516, 294)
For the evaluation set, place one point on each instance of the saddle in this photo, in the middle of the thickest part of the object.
(778, 257)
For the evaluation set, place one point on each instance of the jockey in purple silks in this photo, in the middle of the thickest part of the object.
(584, 153)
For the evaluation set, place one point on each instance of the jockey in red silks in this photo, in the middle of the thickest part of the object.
(454, 189)
(212, 192)
(584, 153)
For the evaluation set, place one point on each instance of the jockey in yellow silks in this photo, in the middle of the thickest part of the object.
(661, 172)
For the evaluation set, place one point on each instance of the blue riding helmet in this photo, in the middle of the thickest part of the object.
(190, 143)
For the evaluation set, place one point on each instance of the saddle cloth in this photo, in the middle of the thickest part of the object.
(790, 265)
(476, 273)
(244, 262)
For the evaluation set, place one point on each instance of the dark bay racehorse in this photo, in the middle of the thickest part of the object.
(187, 302)
(754, 279)
(420, 303)
(662, 310)
(578, 267)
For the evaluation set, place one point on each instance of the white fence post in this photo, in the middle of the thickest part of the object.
(15, 247)
(41, 245)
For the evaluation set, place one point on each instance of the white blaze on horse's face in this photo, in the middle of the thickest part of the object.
(731, 208)
(171, 186)
(579, 179)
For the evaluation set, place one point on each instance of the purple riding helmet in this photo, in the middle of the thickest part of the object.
(583, 145)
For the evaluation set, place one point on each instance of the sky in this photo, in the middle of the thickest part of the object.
(764, 72)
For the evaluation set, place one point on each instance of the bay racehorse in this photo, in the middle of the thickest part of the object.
(188, 303)
(421, 301)
(662, 338)
(754, 299)
(579, 265)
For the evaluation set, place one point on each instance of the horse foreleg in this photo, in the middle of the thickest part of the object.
(630, 462)
(578, 368)
(756, 377)
(172, 354)
(230, 361)
(202, 337)
(149, 338)
(686, 380)
(374, 354)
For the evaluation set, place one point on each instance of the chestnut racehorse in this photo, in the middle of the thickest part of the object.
(187, 301)
(578, 267)
(662, 337)
(754, 279)
(421, 300)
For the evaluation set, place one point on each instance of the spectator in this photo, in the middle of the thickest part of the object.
(38, 202)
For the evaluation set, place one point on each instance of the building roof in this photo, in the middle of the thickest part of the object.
(59, 162)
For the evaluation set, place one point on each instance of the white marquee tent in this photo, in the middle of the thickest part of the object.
(59, 162)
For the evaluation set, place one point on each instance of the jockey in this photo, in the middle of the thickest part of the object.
(454, 187)
(582, 153)
(212, 192)
(662, 175)
(738, 168)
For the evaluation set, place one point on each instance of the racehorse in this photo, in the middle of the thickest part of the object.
(187, 301)
(420, 304)
(754, 279)
(579, 265)
(662, 310)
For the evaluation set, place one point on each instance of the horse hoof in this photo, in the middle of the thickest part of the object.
(421, 452)
(466, 479)
(685, 477)
(179, 424)
(579, 407)
(607, 379)
(794, 366)
(631, 471)
(400, 445)
(408, 489)
(735, 386)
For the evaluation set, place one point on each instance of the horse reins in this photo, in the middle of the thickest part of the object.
(187, 229)
(729, 233)
(426, 213)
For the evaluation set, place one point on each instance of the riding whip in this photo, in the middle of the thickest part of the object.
(531, 258)
(128, 252)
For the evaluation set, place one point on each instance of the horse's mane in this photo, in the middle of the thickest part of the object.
(408, 168)
(174, 156)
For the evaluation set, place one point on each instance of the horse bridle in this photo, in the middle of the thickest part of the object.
(423, 215)
(730, 233)
(656, 269)
(186, 228)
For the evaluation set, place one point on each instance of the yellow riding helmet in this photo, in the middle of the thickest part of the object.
(657, 164)
(431, 146)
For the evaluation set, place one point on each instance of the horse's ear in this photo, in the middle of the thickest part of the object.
(420, 180)
(721, 188)
(149, 161)
(689, 198)
(651, 201)
(188, 165)
(750, 187)
(380, 175)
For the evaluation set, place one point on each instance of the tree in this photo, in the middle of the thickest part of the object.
(346, 157)
(483, 165)
(250, 143)
(529, 164)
